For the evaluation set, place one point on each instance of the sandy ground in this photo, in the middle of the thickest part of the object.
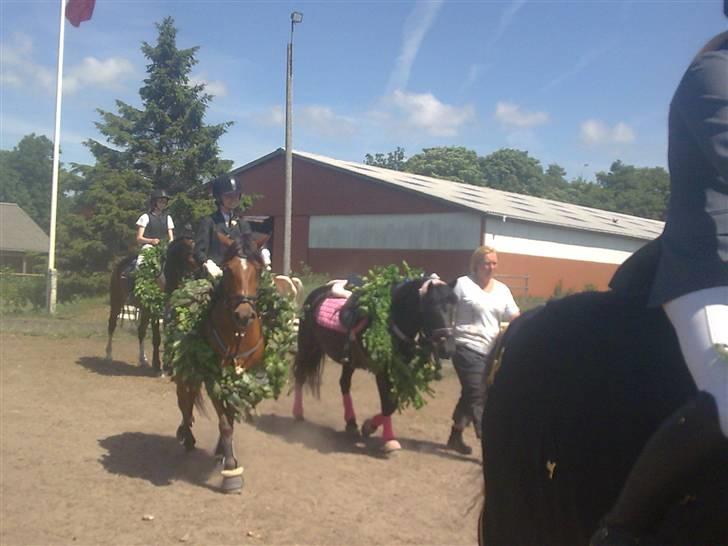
(87, 450)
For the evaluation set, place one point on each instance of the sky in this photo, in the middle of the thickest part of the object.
(577, 83)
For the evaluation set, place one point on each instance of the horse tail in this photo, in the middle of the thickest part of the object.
(309, 362)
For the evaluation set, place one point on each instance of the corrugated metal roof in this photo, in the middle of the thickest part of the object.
(494, 202)
(18, 231)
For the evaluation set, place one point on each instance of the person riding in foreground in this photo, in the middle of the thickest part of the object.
(483, 303)
(209, 251)
(685, 271)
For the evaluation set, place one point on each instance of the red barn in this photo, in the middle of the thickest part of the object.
(348, 217)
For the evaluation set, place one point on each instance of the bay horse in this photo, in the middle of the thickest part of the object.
(422, 313)
(576, 388)
(234, 332)
(178, 263)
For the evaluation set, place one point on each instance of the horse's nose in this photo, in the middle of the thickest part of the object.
(243, 315)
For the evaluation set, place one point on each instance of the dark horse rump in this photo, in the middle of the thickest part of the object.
(581, 385)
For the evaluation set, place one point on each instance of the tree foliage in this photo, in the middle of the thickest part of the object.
(164, 144)
(394, 160)
(451, 163)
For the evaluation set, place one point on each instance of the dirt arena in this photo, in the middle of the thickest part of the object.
(88, 456)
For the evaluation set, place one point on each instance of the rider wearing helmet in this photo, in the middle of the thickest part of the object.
(686, 272)
(209, 251)
(155, 225)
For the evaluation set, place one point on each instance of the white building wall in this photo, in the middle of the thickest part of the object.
(461, 231)
(437, 231)
(532, 239)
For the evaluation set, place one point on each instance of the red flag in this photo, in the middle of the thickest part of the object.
(78, 11)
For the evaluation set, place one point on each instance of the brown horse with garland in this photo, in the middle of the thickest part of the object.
(220, 350)
(401, 337)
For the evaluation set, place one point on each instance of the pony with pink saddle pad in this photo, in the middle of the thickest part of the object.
(421, 315)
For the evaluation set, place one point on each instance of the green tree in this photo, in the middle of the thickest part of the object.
(394, 160)
(449, 162)
(166, 141)
(513, 170)
(165, 144)
(641, 191)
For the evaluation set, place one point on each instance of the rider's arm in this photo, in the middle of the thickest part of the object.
(202, 240)
(170, 229)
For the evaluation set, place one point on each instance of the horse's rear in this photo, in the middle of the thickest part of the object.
(581, 386)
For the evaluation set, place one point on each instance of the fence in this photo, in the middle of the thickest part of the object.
(517, 283)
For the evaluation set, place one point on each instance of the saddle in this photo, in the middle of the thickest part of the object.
(339, 314)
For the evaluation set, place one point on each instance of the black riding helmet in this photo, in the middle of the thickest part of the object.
(158, 194)
(225, 184)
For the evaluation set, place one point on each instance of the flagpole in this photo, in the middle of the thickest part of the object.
(52, 279)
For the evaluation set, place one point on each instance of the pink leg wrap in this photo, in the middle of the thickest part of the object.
(298, 401)
(387, 432)
(377, 420)
(349, 414)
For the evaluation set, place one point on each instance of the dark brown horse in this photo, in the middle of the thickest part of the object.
(421, 313)
(233, 330)
(178, 263)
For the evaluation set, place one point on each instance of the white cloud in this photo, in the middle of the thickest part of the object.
(418, 23)
(513, 116)
(316, 119)
(93, 72)
(216, 88)
(425, 112)
(595, 132)
(20, 70)
(505, 20)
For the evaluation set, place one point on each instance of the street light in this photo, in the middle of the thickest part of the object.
(296, 17)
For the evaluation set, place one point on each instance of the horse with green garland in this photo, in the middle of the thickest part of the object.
(158, 273)
(215, 338)
(409, 320)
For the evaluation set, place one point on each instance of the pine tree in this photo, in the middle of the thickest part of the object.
(164, 144)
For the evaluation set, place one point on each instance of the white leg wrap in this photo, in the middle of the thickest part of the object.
(233, 473)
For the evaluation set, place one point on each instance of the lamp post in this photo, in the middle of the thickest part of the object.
(296, 17)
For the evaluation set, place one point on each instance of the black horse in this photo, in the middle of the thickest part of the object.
(421, 313)
(578, 386)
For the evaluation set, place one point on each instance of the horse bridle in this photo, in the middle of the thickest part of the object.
(421, 337)
(231, 303)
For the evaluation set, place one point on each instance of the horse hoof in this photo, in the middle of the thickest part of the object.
(368, 428)
(391, 446)
(185, 437)
(298, 416)
(352, 429)
(143, 362)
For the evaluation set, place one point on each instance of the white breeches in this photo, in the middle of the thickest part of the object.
(140, 257)
(700, 320)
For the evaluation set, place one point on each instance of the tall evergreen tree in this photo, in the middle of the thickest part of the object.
(164, 144)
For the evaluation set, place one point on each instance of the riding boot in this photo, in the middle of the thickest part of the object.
(688, 437)
(456, 442)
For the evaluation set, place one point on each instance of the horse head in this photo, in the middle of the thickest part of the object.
(240, 285)
(179, 263)
(423, 312)
(437, 304)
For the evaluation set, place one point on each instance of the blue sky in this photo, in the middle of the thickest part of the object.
(575, 83)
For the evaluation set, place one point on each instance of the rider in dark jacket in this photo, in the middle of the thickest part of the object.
(209, 251)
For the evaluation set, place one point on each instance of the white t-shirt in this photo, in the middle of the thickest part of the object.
(478, 313)
(144, 221)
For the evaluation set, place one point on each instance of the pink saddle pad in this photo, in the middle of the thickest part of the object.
(327, 314)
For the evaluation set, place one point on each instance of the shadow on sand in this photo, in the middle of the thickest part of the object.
(160, 460)
(327, 440)
(102, 366)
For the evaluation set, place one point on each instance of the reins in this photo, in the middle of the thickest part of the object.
(420, 334)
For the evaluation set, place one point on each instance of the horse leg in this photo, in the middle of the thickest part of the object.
(349, 415)
(186, 395)
(116, 304)
(385, 418)
(141, 333)
(156, 342)
(232, 474)
(113, 318)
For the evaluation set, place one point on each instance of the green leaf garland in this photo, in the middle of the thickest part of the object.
(409, 380)
(146, 289)
(191, 358)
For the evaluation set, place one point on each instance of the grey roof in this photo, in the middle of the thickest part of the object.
(18, 231)
(493, 202)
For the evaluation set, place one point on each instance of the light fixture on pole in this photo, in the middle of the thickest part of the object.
(296, 17)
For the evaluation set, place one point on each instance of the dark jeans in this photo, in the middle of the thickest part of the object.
(470, 367)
